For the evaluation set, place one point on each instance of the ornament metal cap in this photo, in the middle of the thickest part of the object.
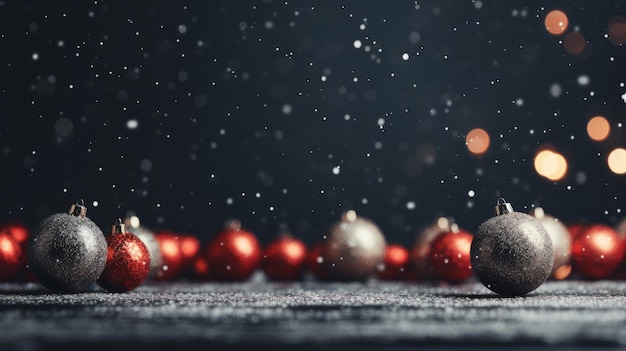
(79, 209)
(118, 227)
(503, 207)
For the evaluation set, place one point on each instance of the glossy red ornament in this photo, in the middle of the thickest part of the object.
(11, 256)
(174, 260)
(233, 254)
(315, 263)
(284, 258)
(128, 261)
(597, 251)
(450, 255)
(20, 233)
(395, 264)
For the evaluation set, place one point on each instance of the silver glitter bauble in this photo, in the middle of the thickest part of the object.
(68, 252)
(133, 225)
(512, 253)
(354, 248)
(561, 241)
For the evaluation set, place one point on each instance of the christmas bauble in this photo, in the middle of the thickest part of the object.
(133, 225)
(128, 261)
(284, 258)
(450, 255)
(353, 248)
(172, 256)
(67, 252)
(395, 263)
(233, 254)
(11, 256)
(561, 241)
(597, 251)
(511, 253)
(20, 233)
(420, 253)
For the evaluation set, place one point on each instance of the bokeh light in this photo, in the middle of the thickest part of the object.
(550, 164)
(477, 141)
(556, 22)
(617, 30)
(617, 161)
(598, 128)
(574, 43)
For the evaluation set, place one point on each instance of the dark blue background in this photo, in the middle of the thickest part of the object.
(209, 83)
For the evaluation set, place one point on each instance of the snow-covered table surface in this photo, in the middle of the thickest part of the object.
(210, 316)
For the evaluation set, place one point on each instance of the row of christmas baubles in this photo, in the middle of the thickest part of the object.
(353, 250)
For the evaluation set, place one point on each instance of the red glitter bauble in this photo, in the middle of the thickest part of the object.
(395, 264)
(233, 254)
(284, 258)
(315, 263)
(128, 261)
(174, 260)
(11, 256)
(450, 256)
(597, 251)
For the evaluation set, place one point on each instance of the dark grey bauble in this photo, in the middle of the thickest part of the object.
(512, 254)
(67, 253)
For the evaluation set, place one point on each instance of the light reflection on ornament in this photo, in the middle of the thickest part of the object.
(556, 22)
(617, 161)
(550, 164)
(477, 141)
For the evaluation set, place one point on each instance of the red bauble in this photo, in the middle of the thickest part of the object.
(20, 233)
(315, 263)
(174, 260)
(597, 251)
(450, 256)
(284, 258)
(396, 261)
(233, 254)
(128, 261)
(11, 256)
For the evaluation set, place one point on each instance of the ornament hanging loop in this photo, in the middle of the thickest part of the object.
(503, 207)
(79, 209)
(119, 227)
